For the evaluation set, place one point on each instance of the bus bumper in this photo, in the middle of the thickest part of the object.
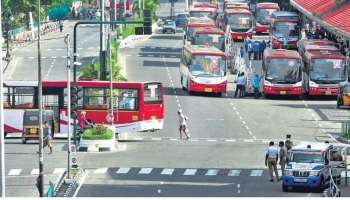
(279, 45)
(215, 88)
(262, 29)
(292, 91)
(308, 182)
(316, 91)
(241, 36)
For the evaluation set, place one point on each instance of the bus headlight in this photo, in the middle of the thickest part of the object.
(288, 172)
(314, 173)
(267, 83)
(298, 84)
(313, 84)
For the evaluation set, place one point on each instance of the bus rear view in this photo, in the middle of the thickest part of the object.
(282, 73)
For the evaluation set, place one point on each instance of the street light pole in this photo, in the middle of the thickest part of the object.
(2, 131)
(40, 180)
(67, 41)
(102, 42)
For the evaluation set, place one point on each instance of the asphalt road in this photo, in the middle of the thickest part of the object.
(224, 157)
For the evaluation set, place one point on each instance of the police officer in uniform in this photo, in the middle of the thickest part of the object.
(288, 144)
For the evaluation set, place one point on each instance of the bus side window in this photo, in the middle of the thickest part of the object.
(6, 94)
(23, 97)
(127, 99)
(95, 98)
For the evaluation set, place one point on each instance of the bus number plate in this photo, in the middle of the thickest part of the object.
(33, 130)
(283, 92)
(239, 37)
(328, 92)
(300, 180)
(208, 89)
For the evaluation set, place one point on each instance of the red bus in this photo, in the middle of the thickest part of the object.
(231, 5)
(282, 72)
(204, 12)
(242, 3)
(325, 70)
(206, 5)
(210, 36)
(138, 106)
(316, 45)
(194, 23)
(285, 30)
(263, 16)
(203, 69)
(239, 23)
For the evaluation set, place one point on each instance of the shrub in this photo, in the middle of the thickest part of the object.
(98, 133)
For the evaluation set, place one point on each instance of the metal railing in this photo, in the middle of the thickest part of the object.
(333, 190)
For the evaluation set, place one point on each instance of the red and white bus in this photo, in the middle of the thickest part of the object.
(316, 45)
(138, 106)
(285, 30)
(263, 16)
(194, 23)
(203, 69)
(208, 12)
(282, 73)
(241, 3)
(206, 5)
(210, 36)
(239, 23)
(324, 71)
(231, 5)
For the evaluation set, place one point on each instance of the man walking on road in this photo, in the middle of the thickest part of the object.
(182, 124)
(283, 156)
(271, 159)
(240, 85)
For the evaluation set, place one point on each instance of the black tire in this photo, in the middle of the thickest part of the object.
(285, 188)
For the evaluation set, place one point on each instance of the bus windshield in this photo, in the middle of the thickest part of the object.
(217, 40)
(328, 70)
(203, 65)
(286, 29)
(283, 70)
(190, 32)
(240, 22)
(263, 14)
(200, 14)
(306, 157)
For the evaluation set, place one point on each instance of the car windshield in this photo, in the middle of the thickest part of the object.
(286, 29)
(200, 14)
(346, 89)
(213, 39)
(306, 157)
(208, 66)
(240, 21)
(328, 71)
(169, 23)
(283, 70)
(263, 14)
(181, 16)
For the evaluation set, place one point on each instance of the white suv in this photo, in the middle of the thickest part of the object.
(169, 26)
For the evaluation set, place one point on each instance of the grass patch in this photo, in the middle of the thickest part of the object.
(130, 28)
(98, 133)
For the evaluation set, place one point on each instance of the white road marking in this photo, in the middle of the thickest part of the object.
(123, 170)
(234, 172)
(254, 137)
(34, 171)
(279, 173)
(145, 171)
(173, 139)
(230, 140)
(240, 117)
(250, 132)
(59, 170)
(138, 138)
(167, 171)
(193, 140)
(128, 55)
(157, 139)
(190, 172)
(246, 127)
(248, 140)
(81, 183)
(211, 140)
(244, 122)
(256, 172)
(53, 57)
(14, 172)
(100, 171)
(212, 172)
(31, 57)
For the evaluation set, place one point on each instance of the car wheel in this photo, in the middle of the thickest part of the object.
(285, 188)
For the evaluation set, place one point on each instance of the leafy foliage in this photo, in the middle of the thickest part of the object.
(99, 132)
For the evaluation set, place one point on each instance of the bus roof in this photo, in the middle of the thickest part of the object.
(200, 22)
(313, 47)
(205, 4)
(209, 30)
(204, 50)
(80, 83)
(281, 53)
(324, 54)
(314, 146)
(203, 9)
(236, 1)
(236, 6)
(267, 5)
(304, 42)
(237, 11)
(284, 14)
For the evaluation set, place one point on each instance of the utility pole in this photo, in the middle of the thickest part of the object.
(67, 41)
(111, 81)
(40, 180)
(2, 131)
(102, 41)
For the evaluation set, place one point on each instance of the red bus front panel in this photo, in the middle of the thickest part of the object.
(280, 90)
(209, 88)
(323, 91)
(241, 36)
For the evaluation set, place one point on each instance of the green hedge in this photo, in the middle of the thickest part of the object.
(98, 133)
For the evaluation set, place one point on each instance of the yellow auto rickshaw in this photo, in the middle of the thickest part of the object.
(31, 125)
(343, 98)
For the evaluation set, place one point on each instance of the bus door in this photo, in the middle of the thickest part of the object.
(52, 100)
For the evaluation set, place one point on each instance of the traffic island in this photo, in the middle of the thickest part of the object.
(67, 187)
(98, 139)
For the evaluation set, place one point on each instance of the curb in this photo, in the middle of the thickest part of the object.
(97, 145)
(72, 185)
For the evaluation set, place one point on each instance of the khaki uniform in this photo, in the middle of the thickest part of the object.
(272, 157)
(283, 159)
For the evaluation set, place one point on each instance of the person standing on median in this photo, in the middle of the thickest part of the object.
(271, 159)
(256, 86)
(240, 85)
(283, 156)
(250, 50)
